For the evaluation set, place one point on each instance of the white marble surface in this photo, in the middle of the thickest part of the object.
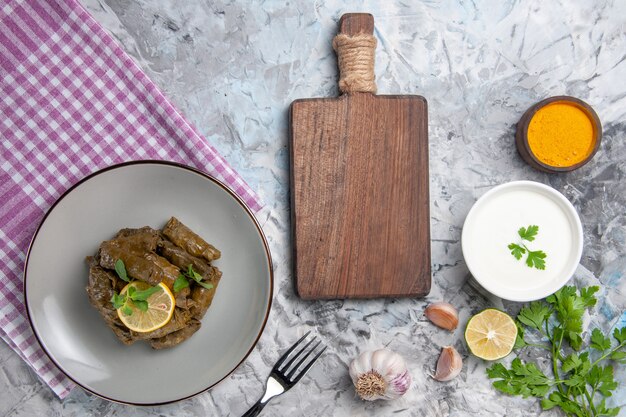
(233, 68)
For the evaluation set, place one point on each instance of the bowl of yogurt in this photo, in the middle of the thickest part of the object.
(522, 240)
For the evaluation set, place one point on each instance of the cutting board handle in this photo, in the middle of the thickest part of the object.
(355, 45)
(353, 24)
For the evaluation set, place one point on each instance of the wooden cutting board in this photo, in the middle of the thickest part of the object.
(359, 191)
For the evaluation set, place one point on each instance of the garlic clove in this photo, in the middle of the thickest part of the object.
(443, 315)
(380, 374)
(360, 365)
(449, 364)
(389, 362)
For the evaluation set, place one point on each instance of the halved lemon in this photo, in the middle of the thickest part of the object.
(160, 309)
(491, 334)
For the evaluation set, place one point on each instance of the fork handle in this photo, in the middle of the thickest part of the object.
(255, 410)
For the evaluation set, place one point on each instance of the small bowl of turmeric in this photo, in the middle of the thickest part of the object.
(558, 134)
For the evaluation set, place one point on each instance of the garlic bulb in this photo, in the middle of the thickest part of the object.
(380, 374)
(443, 315)
(449, 364)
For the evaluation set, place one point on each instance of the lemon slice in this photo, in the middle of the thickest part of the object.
(491, 334)
(160, 309)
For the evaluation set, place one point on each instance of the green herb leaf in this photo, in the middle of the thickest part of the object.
(193, 274)
(519, 340)
(205, 285)
(575, 381)
(572, 408)
(599, 341)
(528, 233)
(138, 298)
(127, 310)
(587, 294)
(534, 315)
(553, 400)
(529, 371)
(577, 366)
(571, 362)
(579, 385)
(197, 277)
(180, 283)
(497, 370)
(586, 364)
(601, 410)
(118, 300)
(619, 357)
(601, 378)
(143, 295)
(523, 379)
(536, 259)
(141, 304)
(570, 310)
(506, 387)
(620, 335)
(565, 291)
(517, 250)
(575, 340)
(120, 269)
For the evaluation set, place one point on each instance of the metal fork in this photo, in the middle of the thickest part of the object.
(283, 378)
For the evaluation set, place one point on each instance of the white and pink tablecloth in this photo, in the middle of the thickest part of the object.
(72, 102)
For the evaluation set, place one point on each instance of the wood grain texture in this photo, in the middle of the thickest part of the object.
(359, 191)
(355, 23)
(359, 196)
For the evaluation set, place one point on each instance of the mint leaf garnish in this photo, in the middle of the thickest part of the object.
(190, 273)
(120, 269)
(193, 274)
(127, 310)
(141, 305)
(205, 285)
(180, 283)
(118, 300)
(142, 295)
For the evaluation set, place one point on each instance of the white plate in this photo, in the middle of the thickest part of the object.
(493, 223)
(139, 194)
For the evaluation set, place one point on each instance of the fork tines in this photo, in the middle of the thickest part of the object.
(299, 363)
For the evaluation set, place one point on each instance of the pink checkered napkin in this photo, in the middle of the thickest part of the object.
(72, 102)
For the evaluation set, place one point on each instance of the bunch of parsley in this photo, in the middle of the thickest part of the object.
(579, 381)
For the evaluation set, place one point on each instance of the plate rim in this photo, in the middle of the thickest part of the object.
(554, 194)
(193, 170)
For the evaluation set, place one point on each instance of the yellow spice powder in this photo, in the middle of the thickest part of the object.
(560, 135)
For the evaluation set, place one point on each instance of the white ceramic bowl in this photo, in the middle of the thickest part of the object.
(493, 223)
(137, 194)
